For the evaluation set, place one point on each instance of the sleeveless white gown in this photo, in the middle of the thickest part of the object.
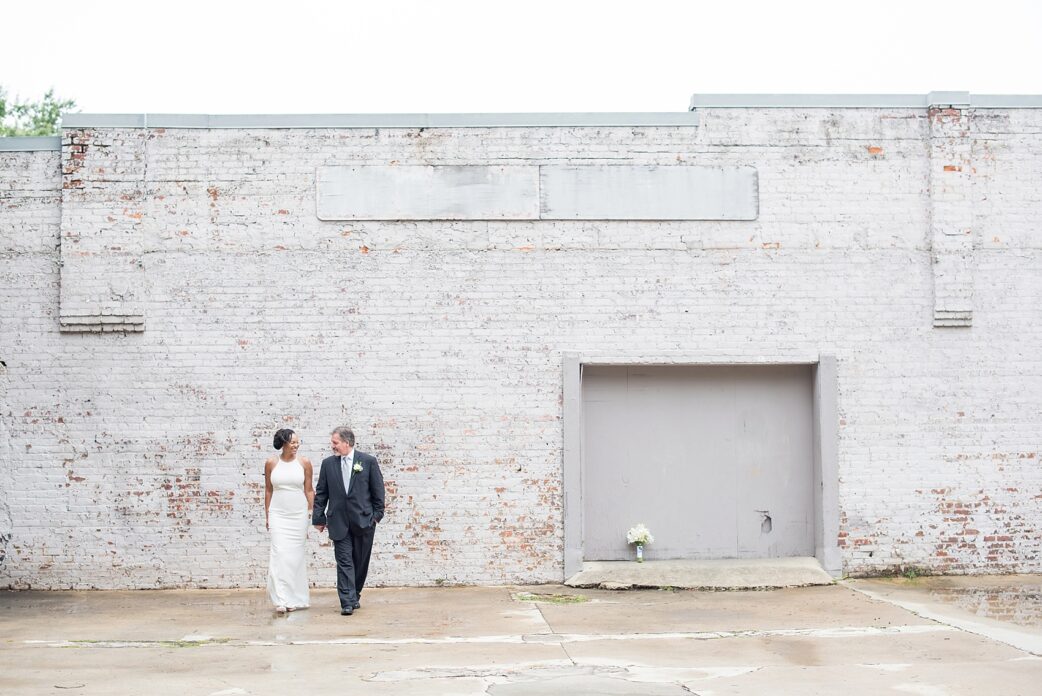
(288, 522)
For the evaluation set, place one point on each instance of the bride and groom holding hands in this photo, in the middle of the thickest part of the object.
(348, 501)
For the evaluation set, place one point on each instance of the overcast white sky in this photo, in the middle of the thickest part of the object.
(411, 56)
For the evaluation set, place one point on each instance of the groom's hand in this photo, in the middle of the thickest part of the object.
(320, 527)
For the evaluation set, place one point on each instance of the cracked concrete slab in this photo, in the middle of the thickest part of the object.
(668, 611)
(496, 641)
(608, 685)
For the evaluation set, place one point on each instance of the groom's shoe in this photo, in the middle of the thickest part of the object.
(347, 611)
(357, 605)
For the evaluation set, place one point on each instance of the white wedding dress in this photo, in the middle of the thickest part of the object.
(288, 522)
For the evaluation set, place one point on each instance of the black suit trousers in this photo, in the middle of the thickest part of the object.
(352, 563)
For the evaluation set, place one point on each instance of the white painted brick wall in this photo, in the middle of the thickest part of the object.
(135, 460)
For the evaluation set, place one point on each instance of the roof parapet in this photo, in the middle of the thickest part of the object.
(30, 143)
(506, 120)
(958, 100)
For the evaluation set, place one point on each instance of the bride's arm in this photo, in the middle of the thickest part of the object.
(268, 466)
(309, 487)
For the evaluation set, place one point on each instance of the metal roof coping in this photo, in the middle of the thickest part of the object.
(505, 120)
(938, 99)
(23, 143)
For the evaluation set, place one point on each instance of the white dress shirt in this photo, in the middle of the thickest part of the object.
(346, 462)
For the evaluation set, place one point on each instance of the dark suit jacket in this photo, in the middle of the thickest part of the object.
(335, 507)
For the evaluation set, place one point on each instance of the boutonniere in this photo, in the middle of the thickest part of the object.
(356, 468)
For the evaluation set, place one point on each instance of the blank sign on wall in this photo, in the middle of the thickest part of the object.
(545, 192)
(648, 193)
(464, 192)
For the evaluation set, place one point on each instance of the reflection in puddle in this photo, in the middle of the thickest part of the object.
(1021, 605)
(297, 617)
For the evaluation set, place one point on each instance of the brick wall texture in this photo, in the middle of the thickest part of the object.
(134, 459)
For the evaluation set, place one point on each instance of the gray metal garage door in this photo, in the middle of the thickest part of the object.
(716, 460)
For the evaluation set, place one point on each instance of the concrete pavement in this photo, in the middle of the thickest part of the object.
(502, 641)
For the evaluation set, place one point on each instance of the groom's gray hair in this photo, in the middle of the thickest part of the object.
(345, 434)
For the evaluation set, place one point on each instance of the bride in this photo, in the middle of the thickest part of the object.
(288, 498)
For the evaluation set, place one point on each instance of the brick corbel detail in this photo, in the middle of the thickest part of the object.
(102, 219)
(951, 215)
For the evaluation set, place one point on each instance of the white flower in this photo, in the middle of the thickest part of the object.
(640, 535)
(357, 467)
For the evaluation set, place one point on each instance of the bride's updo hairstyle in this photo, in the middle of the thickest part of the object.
(282, 437)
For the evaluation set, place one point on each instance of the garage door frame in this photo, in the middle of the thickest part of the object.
(826, 443)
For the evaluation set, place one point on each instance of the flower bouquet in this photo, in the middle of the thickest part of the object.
(639, 535)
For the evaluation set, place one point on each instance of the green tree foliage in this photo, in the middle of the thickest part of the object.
(41, 117)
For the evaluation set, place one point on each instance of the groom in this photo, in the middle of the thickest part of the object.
(349, 499)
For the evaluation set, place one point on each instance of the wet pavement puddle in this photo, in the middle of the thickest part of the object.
(1020, 605)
